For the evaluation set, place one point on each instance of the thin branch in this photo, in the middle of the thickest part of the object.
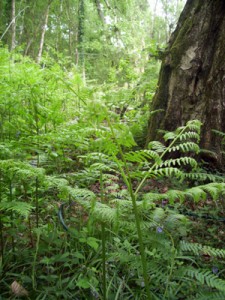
(13, 20)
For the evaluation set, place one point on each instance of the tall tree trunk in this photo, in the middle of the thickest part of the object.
(192, 77)
(44, 27)
(31, 39)
(13, 26)
(81, 59)
(100, 11)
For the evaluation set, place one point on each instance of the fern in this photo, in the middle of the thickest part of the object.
(20, 170)
(157, 146)
(197, 193)
(182, 161)
(185, 147)
(214, 189)
(173, 195)
(167, 172)
(190, 135)
(220, 133)
(203, 176)
(194, 125)
(206, 277)
(199, 249)
(21, 208)
(142, 156)
(210, 296)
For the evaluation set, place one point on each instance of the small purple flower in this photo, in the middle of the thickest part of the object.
(215, 270)
(159, 229)
(164, 203)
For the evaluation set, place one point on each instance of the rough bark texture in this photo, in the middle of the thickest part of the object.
(192, 77)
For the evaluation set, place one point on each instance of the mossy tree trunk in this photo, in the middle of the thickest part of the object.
(192, 77)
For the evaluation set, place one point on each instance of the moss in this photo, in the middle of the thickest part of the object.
(181, 43)
(159, 103)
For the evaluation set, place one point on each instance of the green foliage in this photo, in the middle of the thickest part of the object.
(75, 148)
(206, 277)
(198, 249)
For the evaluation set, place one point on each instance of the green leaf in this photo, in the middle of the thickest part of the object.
(83, 283)
(78, 255)
(93, 243)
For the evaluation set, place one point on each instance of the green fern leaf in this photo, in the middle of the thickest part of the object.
(173, 195)
(185, 147)
(196, 193)
(188, 136)
(199, 249)
(168, 172)
(22, 208)
(210, 295)
(156, 146)
(208, 278)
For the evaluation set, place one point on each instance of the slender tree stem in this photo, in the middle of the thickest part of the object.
(44, 27)
(36, 203)
(11, 215)
(103, 245)
(29, 223)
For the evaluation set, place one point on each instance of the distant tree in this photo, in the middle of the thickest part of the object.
(13, 40)
(44, 27)
(192, 77)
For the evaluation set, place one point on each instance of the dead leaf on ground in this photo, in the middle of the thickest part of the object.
(18, 290)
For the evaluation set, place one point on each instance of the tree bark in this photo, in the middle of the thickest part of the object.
(192, 77)
(43, 34)
(100, 11)
(13, 26)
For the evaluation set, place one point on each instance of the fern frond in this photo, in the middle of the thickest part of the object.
(203, 176)
(189, 136)
(92, 157)
(194, 125)
(156, 146)
(151, 197)
(169, 136)
(210, 296)
(100, 167)
(185, 147)
(22, 208)
(168, 172)
(214, 189)
(220, 133)
(206, 277)
(173, 195)
(23, 171)
(105, 213)
(199, 249)
(180, 161)
(142, 156)
(197, 193)
(82, 195)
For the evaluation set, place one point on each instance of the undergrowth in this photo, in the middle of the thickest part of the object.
(126, 232)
